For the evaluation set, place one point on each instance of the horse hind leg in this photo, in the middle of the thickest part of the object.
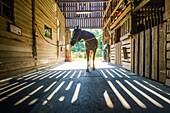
(87, 70)
(94, 59)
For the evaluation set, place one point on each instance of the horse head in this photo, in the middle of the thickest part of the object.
(76, 36)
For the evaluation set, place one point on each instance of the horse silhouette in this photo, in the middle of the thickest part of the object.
(91, 44)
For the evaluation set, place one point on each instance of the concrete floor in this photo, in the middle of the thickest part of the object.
(69, 89)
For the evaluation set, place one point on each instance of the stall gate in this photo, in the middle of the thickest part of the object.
(149, 53)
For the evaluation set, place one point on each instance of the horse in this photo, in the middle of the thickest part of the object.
(91, 44)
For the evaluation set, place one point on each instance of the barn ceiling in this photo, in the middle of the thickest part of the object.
(85, 13)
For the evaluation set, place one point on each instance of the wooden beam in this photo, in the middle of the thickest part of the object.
(87, 1)
(106, 23)
(118, 5)
(112, 13)
(83, 17)
(107, 8)
(121, 16)
(84, 11)
(144, 2)
(34, 46)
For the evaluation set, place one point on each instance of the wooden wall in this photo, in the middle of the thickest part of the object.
(45, 15)
(68, 46)
(16, 51)
(118, 53)
(168, 50)
(150, 53)
(62, 35)
(126, 52)
(167, 17)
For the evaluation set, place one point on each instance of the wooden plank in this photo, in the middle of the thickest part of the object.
(154, 73)
(141, 54)
(126, 65)
(125, 12)
(168, 46)
(107, 8)
(12, 54)
(6, 60)
(87, 1)
(141, 5)
(147, 54)
(15, 48)
(14, 66)
(117, 6)
(136, 37)
(162, 53)
(118, 53)
(126, 41)
(113, 12)
(132, 55)
(168, 64)
(168, 37)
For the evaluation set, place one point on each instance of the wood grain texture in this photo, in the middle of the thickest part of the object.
(147, 53)
(162, 53)
(154, 72)
(16, 51)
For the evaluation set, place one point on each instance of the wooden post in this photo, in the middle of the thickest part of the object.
(34, 47)
(162, 52)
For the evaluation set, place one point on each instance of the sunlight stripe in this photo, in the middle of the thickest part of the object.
(61, 74)
(61, 98)
(12, 88)
(123, 73)
(50, 86)
(29, 95)
(116, 73)
(2, 99)
(79, 74)
(27, 75)
(156, 87)
(110, 74)
(108, 100)
(8, 86)
(55, 74)
(41, 75)
(34, 76)
(4, 80)
(46, 76)
(73, 74)
(21, 89)
(53, 93)
(76, 93)
(132, 95)
(2, 85)
(66, 74)
(103, 74)
(31, 77)
(153, 92)
(33, 101)
(122, 70)
(119, 96)
(69, 85)
(145, 95)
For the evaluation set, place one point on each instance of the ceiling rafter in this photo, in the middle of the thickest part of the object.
(81, 1)
(86, 13)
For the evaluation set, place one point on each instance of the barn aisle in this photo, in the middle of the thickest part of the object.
(68, 88)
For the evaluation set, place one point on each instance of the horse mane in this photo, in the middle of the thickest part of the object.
(88, 34)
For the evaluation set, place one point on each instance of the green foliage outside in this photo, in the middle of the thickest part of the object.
(78, 50)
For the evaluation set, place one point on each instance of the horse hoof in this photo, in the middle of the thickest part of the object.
(87, 70)
(94, 68)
